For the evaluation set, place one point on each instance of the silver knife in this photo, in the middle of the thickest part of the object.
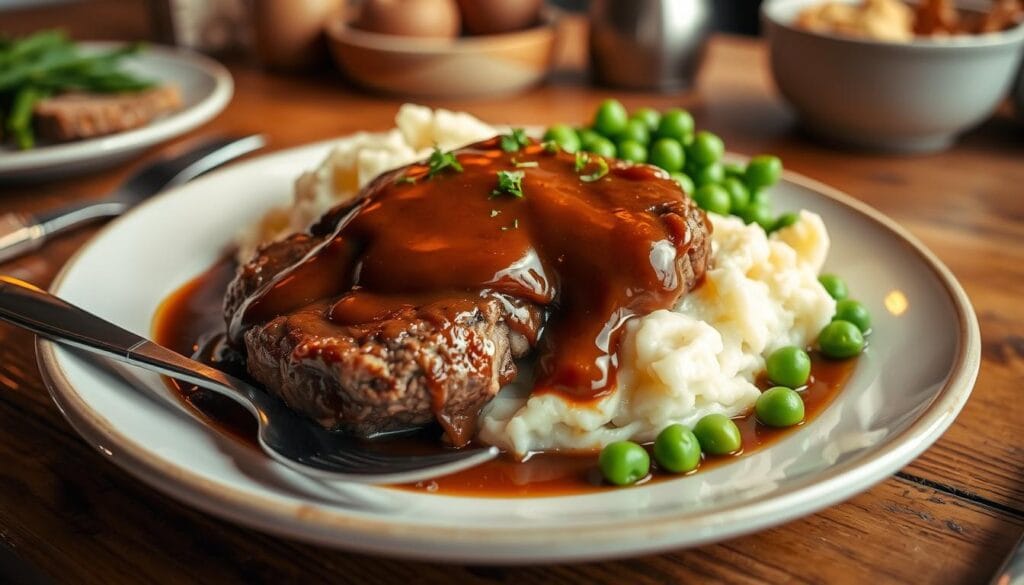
(21, 233)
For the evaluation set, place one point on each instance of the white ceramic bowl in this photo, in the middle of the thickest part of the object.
(909, 97)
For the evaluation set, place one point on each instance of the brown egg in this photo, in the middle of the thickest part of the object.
(487, 17)
(411, 18)
(289, 34)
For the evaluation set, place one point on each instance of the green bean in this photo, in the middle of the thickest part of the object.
(25, 70)
(19, 123)
(63, 66)
(31, 46)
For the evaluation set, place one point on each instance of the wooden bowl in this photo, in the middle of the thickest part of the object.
(475, 66)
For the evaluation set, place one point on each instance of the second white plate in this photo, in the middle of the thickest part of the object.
(205, 86)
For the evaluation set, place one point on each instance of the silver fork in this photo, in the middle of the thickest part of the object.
(22, 233)
(284, 435)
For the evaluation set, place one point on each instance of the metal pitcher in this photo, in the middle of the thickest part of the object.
(648, 44)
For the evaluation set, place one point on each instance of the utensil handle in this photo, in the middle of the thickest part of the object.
(53, 318)
(19, 234)
(1012, 571)
(178, 169)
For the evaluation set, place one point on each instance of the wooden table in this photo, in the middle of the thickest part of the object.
(949, 517)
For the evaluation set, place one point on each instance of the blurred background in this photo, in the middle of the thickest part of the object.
(738, 16)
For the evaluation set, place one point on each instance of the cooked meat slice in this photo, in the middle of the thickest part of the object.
(74, 116)
(694, 264)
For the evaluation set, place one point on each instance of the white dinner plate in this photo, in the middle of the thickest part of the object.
(906, 390)
(205, 86)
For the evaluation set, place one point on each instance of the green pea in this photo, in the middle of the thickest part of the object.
(718, 435)
(610, 118)
(600, 146)
(632, 151)
(758, 213)
(785, 220)
(564, 136)
(711, 174)
(834, 285)
(685, 182)
(763, 171)
(668, 154)
(706, 148)
(734, 170)
(760, 197)
(676, 449)
(739, 196)
(789, 366)
(624, 462)
(649, 116)
(841, 339)
(587, 135)
(676, 124)
(636, 131)
(854, 312)
(712, 198)
(779, 407)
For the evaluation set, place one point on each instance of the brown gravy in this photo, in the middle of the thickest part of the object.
(192, 315)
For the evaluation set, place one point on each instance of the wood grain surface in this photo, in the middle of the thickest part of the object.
(949, 517)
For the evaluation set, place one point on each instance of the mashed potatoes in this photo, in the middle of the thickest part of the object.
(699, 358)
(356, 160)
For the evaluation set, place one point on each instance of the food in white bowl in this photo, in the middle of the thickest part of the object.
(897, 96)
(894, 20)
(513, 293)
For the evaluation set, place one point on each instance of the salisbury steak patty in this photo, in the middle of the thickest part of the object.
(410, 304)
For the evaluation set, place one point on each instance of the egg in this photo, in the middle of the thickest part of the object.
(412, 18)
(487, 17)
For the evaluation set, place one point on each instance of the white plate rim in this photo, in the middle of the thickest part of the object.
(603, 541)
(158, 131)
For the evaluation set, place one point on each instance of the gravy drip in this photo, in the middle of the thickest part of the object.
(592, 254)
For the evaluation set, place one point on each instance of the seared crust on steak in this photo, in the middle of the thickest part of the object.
(369, 383)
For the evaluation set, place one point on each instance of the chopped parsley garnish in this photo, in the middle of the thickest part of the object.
(495, 212)
(405, 180)
(509, 183)
(582, 159)
(602, 170)
(514, 140)
(440, 160)
(550, 146)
